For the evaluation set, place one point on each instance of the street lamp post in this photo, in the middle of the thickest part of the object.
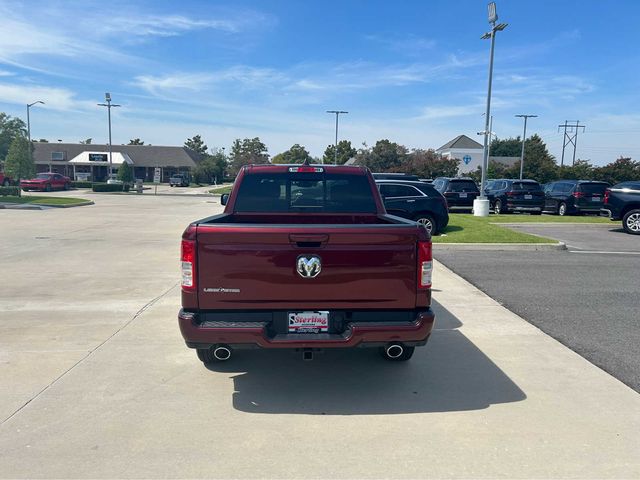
(29, 105)
(524, 137)
(335, 153)
(481, 205)
(107, 98)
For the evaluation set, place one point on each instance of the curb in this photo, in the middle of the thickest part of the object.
(529, 247)
(83, 204)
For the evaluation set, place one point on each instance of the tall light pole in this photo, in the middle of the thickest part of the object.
(107, 98)
(335, 153)
(29, 105)
(481, 205)
(524, 137)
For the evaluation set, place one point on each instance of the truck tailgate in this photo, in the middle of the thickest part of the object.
(254, 267)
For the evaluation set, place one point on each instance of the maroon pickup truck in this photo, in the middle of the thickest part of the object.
(305, 257)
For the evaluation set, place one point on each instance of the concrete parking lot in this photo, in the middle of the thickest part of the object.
(97, 383)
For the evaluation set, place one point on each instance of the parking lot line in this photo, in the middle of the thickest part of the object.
(604, 252)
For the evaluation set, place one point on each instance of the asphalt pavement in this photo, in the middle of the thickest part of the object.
(586, 297)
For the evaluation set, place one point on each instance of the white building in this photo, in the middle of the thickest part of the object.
(467, 150)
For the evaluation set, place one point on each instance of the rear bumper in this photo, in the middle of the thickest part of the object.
(524, 208)
(255, 334)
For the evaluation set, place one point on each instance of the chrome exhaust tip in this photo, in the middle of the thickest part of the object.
(222, 353)
(394, 350)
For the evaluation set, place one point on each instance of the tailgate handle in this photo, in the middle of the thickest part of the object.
(308, 240)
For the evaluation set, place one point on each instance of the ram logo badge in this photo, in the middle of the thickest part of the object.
(309, 266)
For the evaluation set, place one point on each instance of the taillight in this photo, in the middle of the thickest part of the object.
(188, 260)
(606, 196)
(425, 264)
(510, 194)
(577, 194)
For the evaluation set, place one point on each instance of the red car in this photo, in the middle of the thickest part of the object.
(305, 257)
(45, 182)
(4, 180)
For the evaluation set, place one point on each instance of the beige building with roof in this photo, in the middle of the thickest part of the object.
(79, 161)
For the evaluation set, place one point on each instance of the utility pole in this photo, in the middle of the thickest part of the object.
(524, 137)
(481, 204)
(107, 98)
(570, 137)
(29, 105)
(335, 153)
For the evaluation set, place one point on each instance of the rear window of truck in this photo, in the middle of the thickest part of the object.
(305, 192)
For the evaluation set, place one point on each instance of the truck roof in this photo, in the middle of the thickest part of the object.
(283, 168)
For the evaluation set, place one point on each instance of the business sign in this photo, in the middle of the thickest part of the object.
(156, 175)
(98, 157)
(466, 159)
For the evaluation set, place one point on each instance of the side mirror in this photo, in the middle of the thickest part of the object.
(224, 198)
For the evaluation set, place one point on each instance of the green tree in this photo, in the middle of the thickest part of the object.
(296, 154)
(539, 164)
(87, 141)
(18, 163)
(136, 141)
(581, 170)
(211, 168)
(196, 144)
(623, 169)
(10, 128)
(125, 173)
(345, 152)
(247, 151)
(428, 164)
(385, 156)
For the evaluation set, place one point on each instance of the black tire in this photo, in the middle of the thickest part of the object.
(631, 222)
(428, 221)
(206, 355)
(5, 183)
(47, 188)
(406, 354)
(562, 209)
(497, 207)
(67, 186)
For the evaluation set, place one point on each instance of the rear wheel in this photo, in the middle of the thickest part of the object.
(497, 207)
(631, 222)
(562, 209)
(47, 188)
(206, 355)
(67, 186)
(427, 221)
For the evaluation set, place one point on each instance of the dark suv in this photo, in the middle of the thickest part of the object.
(459, 192)
(416, 201)
(622, 202)
(567, 197)
(508, 195)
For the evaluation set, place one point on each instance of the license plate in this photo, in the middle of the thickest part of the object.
(308, 322)
(595, 199)
(463, 195)
(528, 197)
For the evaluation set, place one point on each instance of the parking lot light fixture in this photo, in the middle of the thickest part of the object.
(335, 153)
(29, 105)
(524, 137)
(481, 204)
(107, 98)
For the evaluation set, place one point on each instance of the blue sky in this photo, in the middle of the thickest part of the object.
(414, 72)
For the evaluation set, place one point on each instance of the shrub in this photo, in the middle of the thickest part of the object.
(110, 187)
(81, 184)
(13, 191)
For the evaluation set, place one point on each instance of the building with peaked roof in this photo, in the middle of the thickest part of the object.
(80, 161)
(467, 150)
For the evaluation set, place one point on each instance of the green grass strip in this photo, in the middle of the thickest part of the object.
(469, 229)
(44, 201)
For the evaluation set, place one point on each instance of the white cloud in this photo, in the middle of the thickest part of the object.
(54, 98)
